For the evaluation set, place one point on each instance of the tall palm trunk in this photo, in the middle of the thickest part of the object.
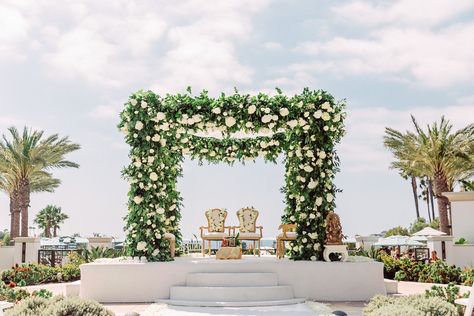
(24, 203)
(415, 195)
(440, 186)
(55, 231)
(431, 195)
(428, 203)
(15, 214)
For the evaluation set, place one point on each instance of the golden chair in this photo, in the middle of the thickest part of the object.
(248, 227)
(288, 234)
(215, 227)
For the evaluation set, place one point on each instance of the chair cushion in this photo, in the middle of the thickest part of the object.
(462, 301)
(249, 235)
(216, 219)
(170, 236)
(214, 235)
(288, 234)
(247, 219)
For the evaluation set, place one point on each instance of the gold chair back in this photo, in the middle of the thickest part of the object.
(216, 219)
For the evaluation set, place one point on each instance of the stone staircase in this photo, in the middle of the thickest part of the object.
(232, 290)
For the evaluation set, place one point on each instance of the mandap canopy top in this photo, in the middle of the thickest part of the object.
(162, 130)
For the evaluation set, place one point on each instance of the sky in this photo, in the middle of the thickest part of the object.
(68, 67)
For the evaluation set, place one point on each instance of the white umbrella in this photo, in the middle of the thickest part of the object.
(397, 241)
(428, 231)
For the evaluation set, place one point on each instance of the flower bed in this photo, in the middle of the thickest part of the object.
(32, 274)
(417, 271)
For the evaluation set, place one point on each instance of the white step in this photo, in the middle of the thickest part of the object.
(291, 301)
(232, 279)
(231, 294)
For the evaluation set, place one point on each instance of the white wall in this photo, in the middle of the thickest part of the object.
(463, 255)
(7, 254)
(462, 212)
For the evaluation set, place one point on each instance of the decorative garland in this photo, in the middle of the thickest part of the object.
(161, 130)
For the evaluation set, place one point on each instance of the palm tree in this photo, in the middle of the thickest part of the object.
(440, 154)
(51, 217)
(25, 160)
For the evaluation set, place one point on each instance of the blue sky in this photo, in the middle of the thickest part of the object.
(67, 68)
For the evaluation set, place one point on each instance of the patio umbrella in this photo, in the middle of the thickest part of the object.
(397, 241)
(428, 231)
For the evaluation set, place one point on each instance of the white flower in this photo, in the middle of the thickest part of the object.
(155, 252)
(141, 246)
(251, 109)
(248, 124)
(312, 216)
(144, 104)
(318, 114)
(133, 102)
(229, 121)
(138, 125)
(156, 138)
(124, 130)
(308, 168)
(160, 116)
(153, 176)
(302, 122)
(266, 118)
(165, 126)
(216, 110)
(292, 123)
(329, 197)
(304, 240)
(138, 163)
(158, 235)
(325, 116)
(326, 128)
(160, 210)
(302, 198)
(326, 105)
(313, 258)
(284, 112)
(312, 184)
(336, 118)
(319, 201)
(322, 154)
(137, 199)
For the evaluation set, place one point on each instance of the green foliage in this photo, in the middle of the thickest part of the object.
(399, 230)
(5, 239)
(32, 274)
(12, 293)
(161, 130)
(449, 293)
(468, 185)
(440, 272)
(421, 223)
(89, 255)
(461, 241)
(51, 217)
(58, 306)
(409, 305)
(467, 276)
(405, 269)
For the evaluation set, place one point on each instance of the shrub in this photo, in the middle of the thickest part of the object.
(440, 272)
(58, 306)
(467, 276)
(409, 305)
(11, 293)
(32, 274)
(31, 306)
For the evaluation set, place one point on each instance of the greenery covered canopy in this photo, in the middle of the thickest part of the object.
(162, 130)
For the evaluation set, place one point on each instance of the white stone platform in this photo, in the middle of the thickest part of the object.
(149, 282)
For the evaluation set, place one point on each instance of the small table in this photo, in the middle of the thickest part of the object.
(342, 249)
(225, 253)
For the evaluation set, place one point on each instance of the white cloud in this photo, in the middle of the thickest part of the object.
(272, 46)
(420, 13)
(104, 112)
(362, 149)
(399, 43)
(14, 30)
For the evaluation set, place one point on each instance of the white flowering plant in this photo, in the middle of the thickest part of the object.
(162, 130)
